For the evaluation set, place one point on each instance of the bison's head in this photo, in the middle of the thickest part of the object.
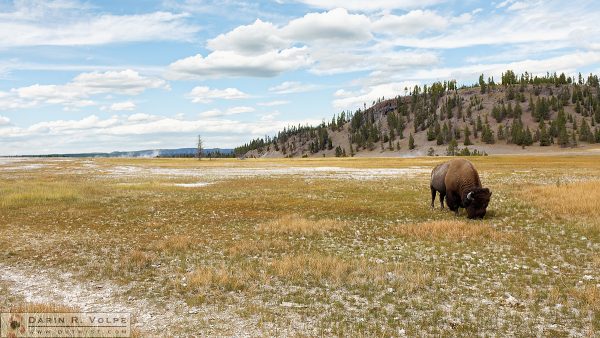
(477, 201)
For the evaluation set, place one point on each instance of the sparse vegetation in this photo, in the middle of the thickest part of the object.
(295, 224)
(336, 246)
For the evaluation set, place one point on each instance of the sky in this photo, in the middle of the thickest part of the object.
(83, 76)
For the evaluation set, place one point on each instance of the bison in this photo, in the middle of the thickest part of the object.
(438, 175)
(463, 188)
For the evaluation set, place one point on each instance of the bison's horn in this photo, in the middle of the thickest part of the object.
(470, 196)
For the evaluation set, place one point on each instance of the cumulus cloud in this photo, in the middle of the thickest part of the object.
(273, 103)
(203, 94)
(77, 93)
(410, 23)
(231, 111)
(372, 5)
(336, 25)
(549, 22)
(122, 106)
(232, 64)
(289, 87)
(67, 23)
(257, 38)
(329, 42)
(126, 82)
(4, 121)
(140, 117)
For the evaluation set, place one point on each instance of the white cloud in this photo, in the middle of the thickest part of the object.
(122, 106)
(330, 42)
(336, 25)
(382, 59)
(372, 5)
(504, 3)
(232, 64)
(4, 121)
(517, 6)
(539, 22)
(289, 87)
(410, 23)
(203, 94)
(273, 103)
(69, 23)
(269, 116)
(126, 82)
(139, 117)
(255, 39)
(228, 112)
(240, 110)
(77, 93)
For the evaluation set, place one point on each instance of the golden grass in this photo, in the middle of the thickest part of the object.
(295, 224)
(174, 244)
(223, 278)
(589, 296)
(324, 269)
(452, 230)
(571, 200)
(256, 248)
(38, 193)
(136, 260)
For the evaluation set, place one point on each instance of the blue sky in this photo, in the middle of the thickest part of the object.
(125, 75)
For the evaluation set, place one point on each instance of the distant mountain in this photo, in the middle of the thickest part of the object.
(179, 152)
(520, 114)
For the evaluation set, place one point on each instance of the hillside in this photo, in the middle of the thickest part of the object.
(518, 114)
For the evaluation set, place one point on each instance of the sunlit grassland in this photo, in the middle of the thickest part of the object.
(307, 255)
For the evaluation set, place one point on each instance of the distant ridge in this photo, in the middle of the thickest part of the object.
(179, 152)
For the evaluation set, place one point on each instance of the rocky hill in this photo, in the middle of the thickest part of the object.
(521, 113)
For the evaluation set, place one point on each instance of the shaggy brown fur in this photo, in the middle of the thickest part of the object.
(464, 190)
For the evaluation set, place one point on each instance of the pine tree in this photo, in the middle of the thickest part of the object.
(439, 139)
(585, 134)
(452, 147)
(545, 138)
(467, 141)
(482, 84)
(527, 138)
(431, 133)
(500, 132)
(411, 142)
(518, 111)
(563, 136)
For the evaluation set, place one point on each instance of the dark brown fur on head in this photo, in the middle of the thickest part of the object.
(476, 202)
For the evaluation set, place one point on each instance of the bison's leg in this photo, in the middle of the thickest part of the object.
(453, 202)
(432, 197)
(442, 195)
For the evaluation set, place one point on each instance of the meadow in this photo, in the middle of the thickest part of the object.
(304, 247)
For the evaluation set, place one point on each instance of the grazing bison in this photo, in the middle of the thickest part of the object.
(438, 175)
(464, 190)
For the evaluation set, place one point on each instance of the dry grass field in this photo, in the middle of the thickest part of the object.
(304, 247)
